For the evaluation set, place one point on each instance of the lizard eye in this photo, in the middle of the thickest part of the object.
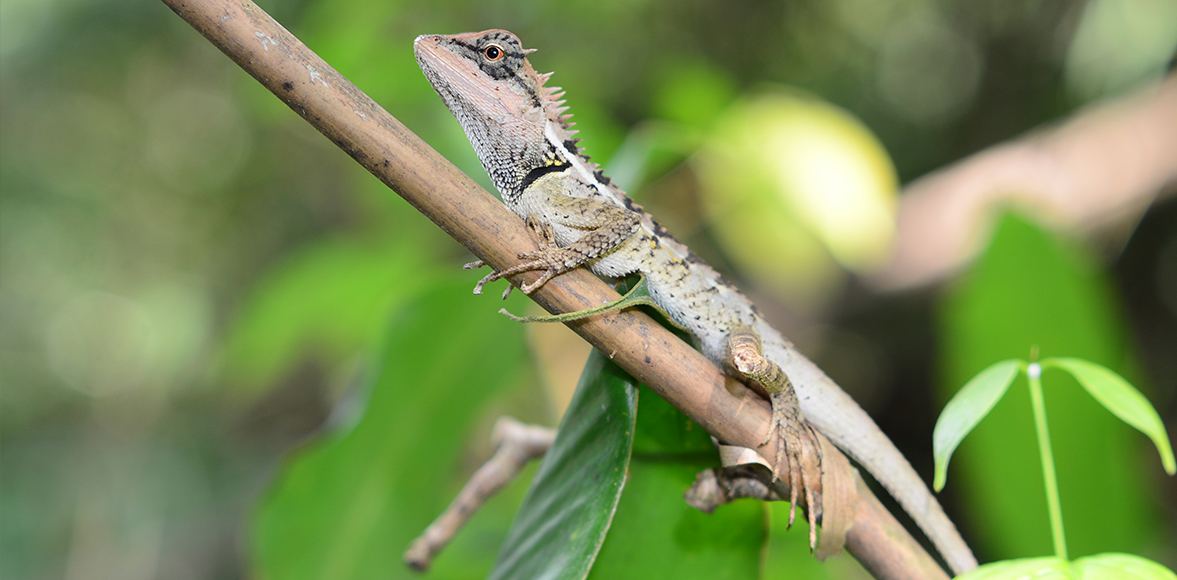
(493, 52)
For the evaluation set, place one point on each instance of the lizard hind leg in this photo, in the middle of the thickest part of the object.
(794, 435)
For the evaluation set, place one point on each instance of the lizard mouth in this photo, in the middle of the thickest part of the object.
(429, 52)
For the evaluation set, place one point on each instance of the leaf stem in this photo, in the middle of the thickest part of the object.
(1034, 372)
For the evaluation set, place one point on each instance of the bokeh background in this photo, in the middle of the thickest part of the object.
(200, 296)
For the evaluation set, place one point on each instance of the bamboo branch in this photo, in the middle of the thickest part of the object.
(477, 220)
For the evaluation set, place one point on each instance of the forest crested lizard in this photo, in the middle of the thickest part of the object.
(522, 136)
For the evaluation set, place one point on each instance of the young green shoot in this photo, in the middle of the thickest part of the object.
(974, 401)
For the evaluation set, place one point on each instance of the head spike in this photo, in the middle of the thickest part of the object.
(528, 51)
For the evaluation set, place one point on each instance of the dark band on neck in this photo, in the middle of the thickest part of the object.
(541, 171)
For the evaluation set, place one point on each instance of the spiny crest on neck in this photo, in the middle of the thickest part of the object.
(561, 123)
(555, 110)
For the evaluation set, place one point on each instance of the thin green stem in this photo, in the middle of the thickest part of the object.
(1034, 371)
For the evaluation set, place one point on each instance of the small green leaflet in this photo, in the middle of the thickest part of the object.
(1122, 399)
(977, 398)
(966, 409)
(974, 401)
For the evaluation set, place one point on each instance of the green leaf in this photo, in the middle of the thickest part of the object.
(655, 534)
(1122, 399)
(1116, 566)
(346, 506)
(966, 409)
(665, 433)
(570, 505)
(1109, 566)
(1048, 568)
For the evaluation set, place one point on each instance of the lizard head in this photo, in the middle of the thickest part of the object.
(500, 101)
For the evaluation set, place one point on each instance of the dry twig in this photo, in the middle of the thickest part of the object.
(516, 445)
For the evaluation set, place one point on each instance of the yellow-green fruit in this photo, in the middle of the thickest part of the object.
(796, 190)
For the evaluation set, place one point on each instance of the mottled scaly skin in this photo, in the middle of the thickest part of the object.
(518, 129)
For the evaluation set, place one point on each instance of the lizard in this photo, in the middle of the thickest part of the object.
(522, 134)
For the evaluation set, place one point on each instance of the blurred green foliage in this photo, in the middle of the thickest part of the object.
(193, 283)
(340, 505)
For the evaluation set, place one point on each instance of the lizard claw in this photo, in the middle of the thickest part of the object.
(529, 288)
(795, 438)
(483, 282)
(474, 266)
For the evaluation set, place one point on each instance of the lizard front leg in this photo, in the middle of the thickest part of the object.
(794, 435)
(605, 226)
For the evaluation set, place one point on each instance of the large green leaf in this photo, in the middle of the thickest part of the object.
(655, 534)
(663, 432)
(1122, 399)
(1114, 566)
(563, 521)
(1111, 566)
(346, 507)
(788, 556)
(966, 409)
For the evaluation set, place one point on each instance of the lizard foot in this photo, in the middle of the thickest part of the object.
(552, 261)
(797, 450)
(795, 438)
(550, 258)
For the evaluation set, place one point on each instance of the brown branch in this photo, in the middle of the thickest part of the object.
(396, 156)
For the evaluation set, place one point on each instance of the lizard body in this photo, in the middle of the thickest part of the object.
(523, 138)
